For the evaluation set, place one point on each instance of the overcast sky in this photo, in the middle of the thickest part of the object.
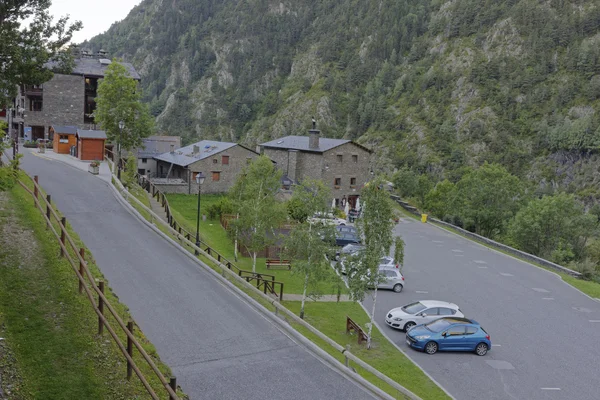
(96, 16)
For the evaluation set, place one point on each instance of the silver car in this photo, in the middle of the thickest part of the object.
(386, 262)
(394, 279)
(420, 312)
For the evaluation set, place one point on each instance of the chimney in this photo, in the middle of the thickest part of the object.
(172, 148)
(102, 53)
(313, 139)
(196, 150)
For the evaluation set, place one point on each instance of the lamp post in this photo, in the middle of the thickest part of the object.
(121, 126)
(199, 180)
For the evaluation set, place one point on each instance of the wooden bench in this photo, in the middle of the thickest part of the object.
(353, 326)
(273, 263)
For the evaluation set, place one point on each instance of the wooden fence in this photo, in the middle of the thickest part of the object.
(87, 283)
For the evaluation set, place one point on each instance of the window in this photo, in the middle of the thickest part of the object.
(352, 181)
(355, 158)
(471, 330)
(215, 161)
(144, 160)
(35, 104)
(63, 139)
(340, 158)
(445, 311)
(225, 160)
(456, 331)
(431, 311)
(216, 176)
(337, 182)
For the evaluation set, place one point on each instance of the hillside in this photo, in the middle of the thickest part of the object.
(434, 85)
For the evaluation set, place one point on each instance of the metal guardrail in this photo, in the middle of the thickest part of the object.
(80, 267)
(279, 308)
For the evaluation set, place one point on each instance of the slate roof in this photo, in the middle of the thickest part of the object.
(184, 156)
(155, 145)
(301, 143)
(94, 67)
(91, 134)
(65, 130)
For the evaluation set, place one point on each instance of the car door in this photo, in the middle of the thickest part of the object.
(388, 282)
(471, 339)
(428, 315)
(454, 338)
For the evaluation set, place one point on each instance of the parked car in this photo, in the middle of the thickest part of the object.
(326, 218)
(349, 249)
(420, 312)
(342, 239)
(450, 334)
(345, 229)
(392, 278)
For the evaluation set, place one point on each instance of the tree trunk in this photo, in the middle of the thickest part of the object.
(372, 318)
(235, 244)
(254, 262)
(304, 296)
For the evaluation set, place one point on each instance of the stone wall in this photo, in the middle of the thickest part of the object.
(181, 188)
(346, 169)
(63, 103)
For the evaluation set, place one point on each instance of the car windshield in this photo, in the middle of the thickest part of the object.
(413, 308)
(438, 325)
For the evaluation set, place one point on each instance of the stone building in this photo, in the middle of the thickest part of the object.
(154, 146)
(65, 100)
(342, 164)
(220, 162)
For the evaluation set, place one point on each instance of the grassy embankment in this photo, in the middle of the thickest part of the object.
(328, 317)
(51, 349)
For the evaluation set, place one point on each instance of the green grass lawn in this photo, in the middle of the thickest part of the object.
(184, 208)
(330, 318)
(49, 327)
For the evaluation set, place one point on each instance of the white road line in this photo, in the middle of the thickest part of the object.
(594, 320)
(421, 292)
(540, 290)
(505, 274)
(437, 241)
(457, 251)
(479, 262)
(482, 267)
(550, 388)
(548, 298)
(496, 345)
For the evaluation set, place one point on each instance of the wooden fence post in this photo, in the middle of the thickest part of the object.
(82, 254)
(129, 348)
(100, 308)
(49, 200)
(35, 186)
(63, 223)
(173, 384)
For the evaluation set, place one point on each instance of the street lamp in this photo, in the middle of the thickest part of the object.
(121, 126)
(199, 180)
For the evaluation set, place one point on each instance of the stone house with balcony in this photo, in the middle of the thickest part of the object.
(65, 100)
(342, 164)
(220, 162)
(154, 146)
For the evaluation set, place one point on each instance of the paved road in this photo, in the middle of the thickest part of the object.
(218, 346)
(545, 339)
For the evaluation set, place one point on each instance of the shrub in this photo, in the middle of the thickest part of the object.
(224, 206)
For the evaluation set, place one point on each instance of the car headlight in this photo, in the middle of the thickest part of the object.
(397, 319)
(422, 337)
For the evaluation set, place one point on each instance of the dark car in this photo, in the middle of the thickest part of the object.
(450, 334)
(343, 239)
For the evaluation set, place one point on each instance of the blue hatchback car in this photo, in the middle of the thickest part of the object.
(450, 334)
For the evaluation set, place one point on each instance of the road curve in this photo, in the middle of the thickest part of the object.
(218, 346)
(543, 330)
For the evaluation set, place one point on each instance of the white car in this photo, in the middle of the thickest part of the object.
(421, 312)
(327, 218)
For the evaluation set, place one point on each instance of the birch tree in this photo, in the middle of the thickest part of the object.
(260, 213)
(376, 226)
(310, 243)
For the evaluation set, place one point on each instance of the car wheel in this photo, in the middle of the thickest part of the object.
(481, 349)
(398, 288)
(431, 348)
(408, 325)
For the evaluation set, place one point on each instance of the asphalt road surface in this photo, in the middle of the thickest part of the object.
(218, 346)
(544, 333)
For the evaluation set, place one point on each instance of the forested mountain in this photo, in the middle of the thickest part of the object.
(434, 85)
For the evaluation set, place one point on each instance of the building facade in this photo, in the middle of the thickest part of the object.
(342, 164)
(220, 162)
(154, 146)
(65, 100)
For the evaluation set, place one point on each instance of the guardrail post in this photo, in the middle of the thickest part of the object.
(129, 349)
(100, 308)
(347, 362)
(35, 186)
(173, 384)
(49, 200)
(63, 223)
(280, 291)
(82, 254)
